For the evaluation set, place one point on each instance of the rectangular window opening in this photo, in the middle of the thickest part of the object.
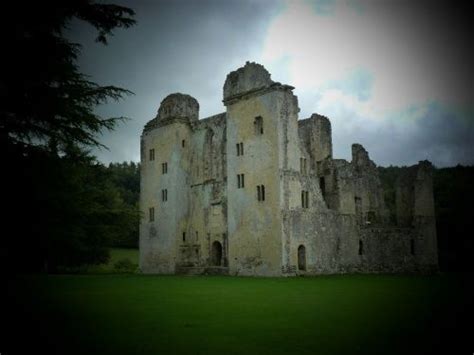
(152, 154)
(184, 236)
(183, 143)
(258, 123)
(151, 212)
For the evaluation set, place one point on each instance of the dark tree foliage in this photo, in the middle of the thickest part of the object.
(46, 101)
(126, 179)
(61, 208)
(453, 193)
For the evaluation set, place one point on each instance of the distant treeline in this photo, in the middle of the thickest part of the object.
(454, 196)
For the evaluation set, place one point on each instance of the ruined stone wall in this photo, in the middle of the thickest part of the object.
(415, 209)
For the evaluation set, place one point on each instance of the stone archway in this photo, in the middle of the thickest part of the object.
(301, 258)
(216, 254)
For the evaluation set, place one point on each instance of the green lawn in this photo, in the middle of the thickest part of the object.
(137, 314)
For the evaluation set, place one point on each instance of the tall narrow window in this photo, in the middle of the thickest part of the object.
(164, 168)
(412, 247)
(361, 247)
(261, 193)
(151, 212)
(164, 195)
(183, 143)
(240, 149)
(152, 154)
(304, 199)
(303, 165)
(197, 236)
(184, 236)
(322, 186)
(240, 181)
(258, 124)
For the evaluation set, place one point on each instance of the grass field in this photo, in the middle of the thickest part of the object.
(137, 314)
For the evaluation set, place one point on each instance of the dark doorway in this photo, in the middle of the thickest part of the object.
(301, 257)
(216, 254)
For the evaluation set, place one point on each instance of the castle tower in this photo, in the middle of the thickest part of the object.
(257, 152)
(163, 186)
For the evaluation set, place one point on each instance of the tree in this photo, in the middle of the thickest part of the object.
(46, 102)
(58, 203)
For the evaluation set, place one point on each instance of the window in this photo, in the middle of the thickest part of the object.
(301, 258)
(258, 124)
(322, 186)
(164, 168)
(412, 247)
(240, 149)
(261, 193)
(303, 165)
(304, 199)
(164, 195)
(240, 181)
(152, 154)
(151, 212)
(361, 247)
(197, 236)
(183, 143)
(184, 236)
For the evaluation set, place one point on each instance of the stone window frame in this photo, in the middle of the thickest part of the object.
(304, 199)
(258, 125)
(240, 181)
(151, 214)
(303, 166)
(151, 154)
(260, 192)
(164, 195)
(240, 148)
(164, 168)
(361, 247)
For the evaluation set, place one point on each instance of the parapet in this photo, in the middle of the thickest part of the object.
(251, 77)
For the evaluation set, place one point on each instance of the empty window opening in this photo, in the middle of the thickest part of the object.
(183, 143)
(361, 247)
(301, 257)
(152, 154)
(304, 199)
(216, 254)
(151, 212)
(412, 247)
(261, 192)
(240, 181)
(240, 149)
(258, 124)
(322, 186)
(197, 236)
(184, 236)
(164, 195)
(164, 168)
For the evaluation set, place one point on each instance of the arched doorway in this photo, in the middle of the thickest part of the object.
(301, 257)
(216, 254)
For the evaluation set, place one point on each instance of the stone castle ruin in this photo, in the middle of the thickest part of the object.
(255, 191)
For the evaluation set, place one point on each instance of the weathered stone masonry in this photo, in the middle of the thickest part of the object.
(255, 191)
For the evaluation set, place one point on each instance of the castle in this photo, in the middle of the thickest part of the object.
(255, 191)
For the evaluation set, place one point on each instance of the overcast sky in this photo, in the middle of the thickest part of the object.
(394, 76)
